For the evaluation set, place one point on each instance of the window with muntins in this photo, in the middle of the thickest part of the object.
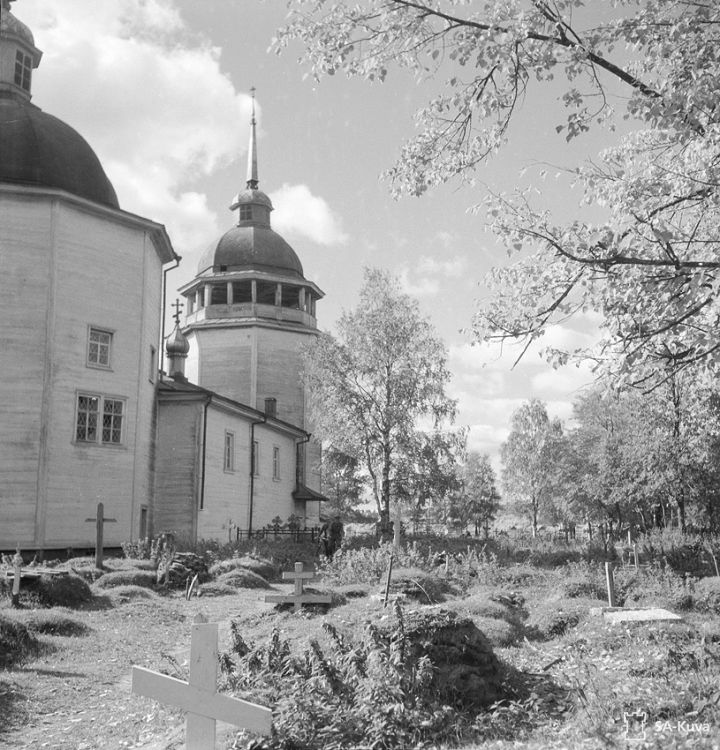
(245, 213)
(23, 70)
(99, 344)
(99, 419)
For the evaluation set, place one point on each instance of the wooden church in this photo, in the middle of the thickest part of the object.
(215, 446)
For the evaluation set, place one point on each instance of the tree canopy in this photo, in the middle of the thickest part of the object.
(376, 393)
(649, 267)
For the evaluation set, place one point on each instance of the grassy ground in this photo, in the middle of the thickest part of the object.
(579, 675)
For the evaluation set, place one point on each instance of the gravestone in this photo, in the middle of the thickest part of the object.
(199, 697)
(299, 597)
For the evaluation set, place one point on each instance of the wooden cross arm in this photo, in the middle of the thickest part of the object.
(105, 520)
(170, 690)
(305, 575)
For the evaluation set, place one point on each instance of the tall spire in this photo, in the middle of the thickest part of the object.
(252, 171)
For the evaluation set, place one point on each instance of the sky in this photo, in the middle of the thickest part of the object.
(160, 89)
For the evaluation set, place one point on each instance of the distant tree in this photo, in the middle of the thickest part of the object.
(650, 266)
(531, 458)
(378, 390)
(478, 500)
(342, 484)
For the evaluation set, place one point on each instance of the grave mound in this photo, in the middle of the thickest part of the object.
(467, 672)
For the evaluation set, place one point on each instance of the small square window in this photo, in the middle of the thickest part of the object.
(99, 343)
(245, 213)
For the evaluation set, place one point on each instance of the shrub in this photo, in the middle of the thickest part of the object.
(145, 578)
(707, 595)
(55, 623)
(239, 578)
(16, 642)
(378, 690)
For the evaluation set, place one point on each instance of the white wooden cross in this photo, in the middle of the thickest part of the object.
(199, 696)
(299, 597)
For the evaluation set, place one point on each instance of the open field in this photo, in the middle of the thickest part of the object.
(569, 676)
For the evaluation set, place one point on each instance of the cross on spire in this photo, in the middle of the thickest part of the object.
(252, 171)
(178, 306)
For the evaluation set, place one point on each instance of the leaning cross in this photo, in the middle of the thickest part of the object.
(99, 520)
(299, 597)
(199, 697)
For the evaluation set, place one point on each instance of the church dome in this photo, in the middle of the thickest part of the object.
(41, 150)
(252, 247)
(10, 25)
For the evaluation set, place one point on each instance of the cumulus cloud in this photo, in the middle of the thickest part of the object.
(424, 287)
(120, 74)
(298, 211)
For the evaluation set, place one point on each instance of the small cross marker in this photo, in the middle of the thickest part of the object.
(99, 521)
(299, 597)
(199, 697)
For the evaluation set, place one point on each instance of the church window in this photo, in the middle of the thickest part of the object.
(266, 292)
(23, 70)
(245, 213)
(218, 294)
(242, 292)
(99, 343)
(229, 458)
(256, 458)
(99, 419)
(276, 462)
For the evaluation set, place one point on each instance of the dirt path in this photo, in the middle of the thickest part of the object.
(76, 694)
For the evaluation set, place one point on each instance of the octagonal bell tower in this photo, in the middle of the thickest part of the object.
(250, 310)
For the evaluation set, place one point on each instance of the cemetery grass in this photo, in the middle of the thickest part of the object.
(575, 675)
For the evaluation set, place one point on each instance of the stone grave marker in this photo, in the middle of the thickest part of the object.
(199, 697)
(299, 597)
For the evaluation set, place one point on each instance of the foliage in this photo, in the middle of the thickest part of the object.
(648, 263)
(369, 691)
(16, 642)
(146, 578)
(644, 460)
(530, 458)
(478, 500)
(369, 388)
(342, 484)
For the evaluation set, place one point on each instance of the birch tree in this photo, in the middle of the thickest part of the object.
(376, 392)
(649, 267)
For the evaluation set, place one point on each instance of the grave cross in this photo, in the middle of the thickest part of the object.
(199, 697)
(299, 597)
(99, 521)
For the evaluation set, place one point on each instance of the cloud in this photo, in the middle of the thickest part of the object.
(298, 211)
(121, 73)
(425, 279)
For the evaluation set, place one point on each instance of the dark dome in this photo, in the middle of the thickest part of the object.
(38, 149)
(252, 247)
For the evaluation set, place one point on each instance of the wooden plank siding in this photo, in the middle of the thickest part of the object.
(68, 269)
